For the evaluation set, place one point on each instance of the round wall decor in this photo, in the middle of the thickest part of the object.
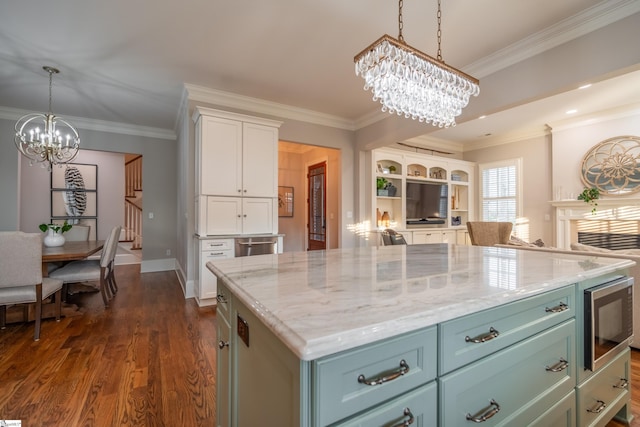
(613, 166)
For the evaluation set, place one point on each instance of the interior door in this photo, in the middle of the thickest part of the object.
(317, 202)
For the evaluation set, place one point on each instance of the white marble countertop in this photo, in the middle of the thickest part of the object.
(322, 302)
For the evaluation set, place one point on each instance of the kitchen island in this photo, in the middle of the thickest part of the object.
(443, 334)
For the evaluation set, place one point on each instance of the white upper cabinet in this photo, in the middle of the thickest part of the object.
(236, 155)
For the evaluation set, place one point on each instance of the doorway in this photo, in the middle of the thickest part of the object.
(317, 206)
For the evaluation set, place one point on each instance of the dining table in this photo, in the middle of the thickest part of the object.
(70, 251)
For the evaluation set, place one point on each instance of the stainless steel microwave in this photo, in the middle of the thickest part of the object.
(608, 323)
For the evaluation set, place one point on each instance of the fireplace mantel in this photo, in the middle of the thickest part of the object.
(608, 209)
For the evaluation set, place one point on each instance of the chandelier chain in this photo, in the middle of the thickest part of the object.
(50, 90)
(400, 22)
(439, 32)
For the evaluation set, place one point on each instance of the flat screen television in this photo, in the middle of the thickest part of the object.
(426, 202)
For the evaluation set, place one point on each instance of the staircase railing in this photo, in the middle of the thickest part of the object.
(133, 224)
(133, 202)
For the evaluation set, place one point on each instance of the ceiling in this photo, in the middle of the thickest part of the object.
(127, 61)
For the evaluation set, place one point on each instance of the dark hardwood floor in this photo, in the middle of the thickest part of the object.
(148, 360)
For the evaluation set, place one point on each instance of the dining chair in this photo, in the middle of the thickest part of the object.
(78, 233)
(489, 233)
(392, 237)
(92, 270)
(21, 280)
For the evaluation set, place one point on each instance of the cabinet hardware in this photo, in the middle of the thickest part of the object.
(386, 377)
(221, 298)
(623, 384)
(408, 422)
(483, 338)
(485, 413)
(216, 244)
(560, 366)
(222, 344)
(557, 309)
(216, 253)
(599, 408)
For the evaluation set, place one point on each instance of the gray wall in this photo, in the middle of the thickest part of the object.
(159, 180)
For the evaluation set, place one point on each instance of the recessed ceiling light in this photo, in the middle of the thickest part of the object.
(572, 111)
(585, 86)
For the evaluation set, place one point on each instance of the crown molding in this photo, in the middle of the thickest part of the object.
(99, 125)
(594, 18)
(261, 106)
(598, 117)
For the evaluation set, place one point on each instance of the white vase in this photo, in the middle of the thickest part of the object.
(53, 239)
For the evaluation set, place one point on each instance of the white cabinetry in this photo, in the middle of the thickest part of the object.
(392, 171)
(236, 215)
(210, 250)
(236, 173)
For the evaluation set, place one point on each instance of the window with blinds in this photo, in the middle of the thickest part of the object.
(499, 186)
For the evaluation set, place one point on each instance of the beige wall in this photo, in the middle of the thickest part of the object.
(537, 219)
(571, 143)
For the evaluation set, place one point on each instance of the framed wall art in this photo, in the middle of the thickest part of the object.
(285, 201)
(74, 195)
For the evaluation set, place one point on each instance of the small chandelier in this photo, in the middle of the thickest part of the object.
(407, 81)
(56, 143)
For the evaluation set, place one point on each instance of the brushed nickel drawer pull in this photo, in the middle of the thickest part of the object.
(599, 408)
(623, 384)
(386, 377)
(483, 338)
(560, 366)
(222, 344)
(558, 308)
(406, 423)
(485, 413)
(221, 299)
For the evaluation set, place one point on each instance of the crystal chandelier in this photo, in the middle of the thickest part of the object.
(407, 81)
(56, 143)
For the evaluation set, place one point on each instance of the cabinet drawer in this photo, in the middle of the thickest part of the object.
(509, 324)
(606, 387)
(217, 245)
(338, 381)
(420, 408)
(516, 379)
(562, 414)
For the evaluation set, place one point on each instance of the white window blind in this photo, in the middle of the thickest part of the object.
(499, 191)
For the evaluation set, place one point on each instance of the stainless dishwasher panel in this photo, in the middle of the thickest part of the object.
(248, 246)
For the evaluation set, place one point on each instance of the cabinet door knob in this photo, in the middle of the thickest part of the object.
(245, 215)
(221, 298)
(245, 191)
(239, 191)
(222, 344)
(239, 216)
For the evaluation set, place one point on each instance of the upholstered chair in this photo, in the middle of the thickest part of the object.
(78, 233)
(489, 233)
(392, 237)
(92, 270)
(21, 280)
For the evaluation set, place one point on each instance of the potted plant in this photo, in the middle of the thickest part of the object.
(381, 185)
(54, 236)
(590, 195)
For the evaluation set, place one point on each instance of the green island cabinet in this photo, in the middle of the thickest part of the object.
(517, 364)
